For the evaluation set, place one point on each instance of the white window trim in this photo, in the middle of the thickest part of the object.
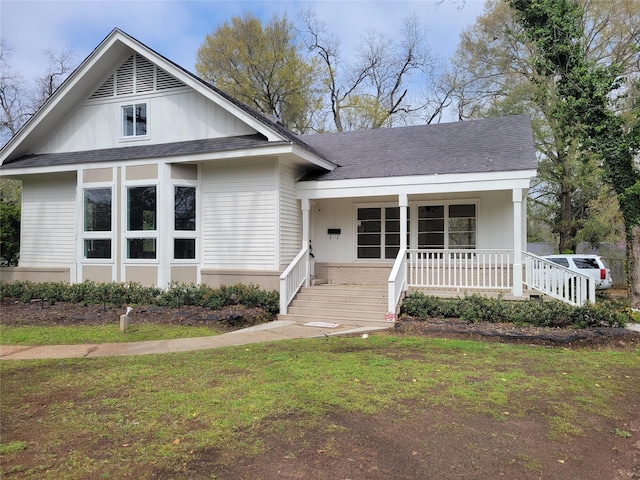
(143, 234)
(133, 138)
(187, 234)
(382, 206)
(85, 235)
(414, 217)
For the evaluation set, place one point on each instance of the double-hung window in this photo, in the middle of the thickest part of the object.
(134, 120)
(184, 229)
(97, 223)
(142, 227)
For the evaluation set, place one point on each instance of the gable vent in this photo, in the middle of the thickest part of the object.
(166, 81)
(144, 75)
(136, 75)
(124, 78)
(106, 89)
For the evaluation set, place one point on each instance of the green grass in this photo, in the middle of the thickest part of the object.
(78, 334)
(123, 417)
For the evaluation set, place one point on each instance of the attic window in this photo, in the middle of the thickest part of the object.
(134, 120)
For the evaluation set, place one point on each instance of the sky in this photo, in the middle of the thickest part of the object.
(177, 28)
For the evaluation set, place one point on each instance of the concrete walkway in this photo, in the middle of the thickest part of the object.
(267, 332)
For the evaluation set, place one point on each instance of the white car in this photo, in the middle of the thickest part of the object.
(591, 265)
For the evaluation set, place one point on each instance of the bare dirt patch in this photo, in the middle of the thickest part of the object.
(413, 441)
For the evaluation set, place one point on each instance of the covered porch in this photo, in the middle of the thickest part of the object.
(459, 233)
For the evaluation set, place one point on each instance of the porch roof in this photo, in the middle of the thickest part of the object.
(476, 146)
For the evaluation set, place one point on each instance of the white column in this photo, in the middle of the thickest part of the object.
(517, 242)
(403, 203)
(306, 207)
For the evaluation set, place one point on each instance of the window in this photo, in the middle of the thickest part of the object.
(134, 120)
(184, 207)
(447, 226)
(379, 232)
(141, 217)
(97, 223)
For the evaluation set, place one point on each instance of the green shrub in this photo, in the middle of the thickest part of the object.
(476, 308)
(119, 294)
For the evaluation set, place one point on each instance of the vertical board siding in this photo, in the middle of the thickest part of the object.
(172, 117)
(239, 215)
(290, 216)
(48, 221)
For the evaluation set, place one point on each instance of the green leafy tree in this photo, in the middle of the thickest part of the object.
(9, 222)
(586, 118)
(262, 66)
(496, 73)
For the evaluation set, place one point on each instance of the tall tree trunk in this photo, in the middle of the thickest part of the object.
(566, 242)
(633, 266)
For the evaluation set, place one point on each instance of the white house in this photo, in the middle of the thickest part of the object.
(137, 171)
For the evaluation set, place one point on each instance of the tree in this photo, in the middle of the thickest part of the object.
(379, 87)
(497, 75)
(263, 67)
(586, 113)
(18, 103)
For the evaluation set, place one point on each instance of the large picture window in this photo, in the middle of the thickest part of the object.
(184, 206)
(141, 217)
(447, 226)
(97, 207)
(134, 120)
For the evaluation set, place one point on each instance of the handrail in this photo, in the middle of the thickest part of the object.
(460, 268)
(397, 282)
(557, 281)
(292, 279)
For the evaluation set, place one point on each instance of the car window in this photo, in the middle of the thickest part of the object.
(560, 261)
(586, 262)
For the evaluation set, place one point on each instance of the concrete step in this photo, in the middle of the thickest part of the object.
(342, 304)
(359, 322)
(326, 310)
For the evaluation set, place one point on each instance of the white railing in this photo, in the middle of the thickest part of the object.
(557, 281)
(397, 282)
(293, 277)
(460, 269)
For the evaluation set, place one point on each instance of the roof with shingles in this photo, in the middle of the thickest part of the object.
(143, 151)
(486, 145)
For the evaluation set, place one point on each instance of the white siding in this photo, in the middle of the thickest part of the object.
(494, 225)
(290, 216)
(173, 116)
(240, 215)
(48, 220)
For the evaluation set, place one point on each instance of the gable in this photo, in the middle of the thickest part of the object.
(86, 112)
(136, 75)
(174, 112)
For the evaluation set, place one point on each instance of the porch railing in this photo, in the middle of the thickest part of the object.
(557, 281)
(293, 277)
(397, 282)
(460, 269)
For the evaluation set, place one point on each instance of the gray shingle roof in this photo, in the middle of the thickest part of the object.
(487, 145)
(142, 152)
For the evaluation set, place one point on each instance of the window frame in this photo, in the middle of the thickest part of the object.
(383, 233)
(181, 234)
(149, 234)
(97, 235)
(447, 218)
(134, 136)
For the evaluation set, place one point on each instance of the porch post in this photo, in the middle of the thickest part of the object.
(306, 207)
(517, 242)
(403, 203)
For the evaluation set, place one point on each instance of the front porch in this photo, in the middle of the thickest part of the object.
(446, 273)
